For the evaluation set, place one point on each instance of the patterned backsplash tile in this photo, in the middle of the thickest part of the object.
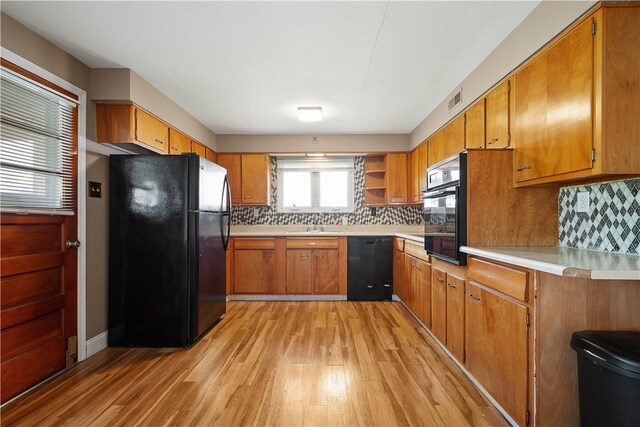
(362, 215)
(612, 223)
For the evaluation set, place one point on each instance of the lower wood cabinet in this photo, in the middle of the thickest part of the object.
(497, 335)
(455, 316)
(312, 271)
(439, 305)
(254, 271)
(419, 295)
(295, 266)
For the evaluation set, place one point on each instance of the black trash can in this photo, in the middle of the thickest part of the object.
(608, 377)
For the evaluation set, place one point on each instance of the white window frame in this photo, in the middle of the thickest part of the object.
(315, 166)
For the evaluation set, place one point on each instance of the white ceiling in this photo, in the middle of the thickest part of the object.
(244, 67)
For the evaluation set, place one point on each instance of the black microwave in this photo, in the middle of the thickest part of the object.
(445, 210)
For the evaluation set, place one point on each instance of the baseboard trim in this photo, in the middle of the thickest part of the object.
(97, 343)
(286, 297)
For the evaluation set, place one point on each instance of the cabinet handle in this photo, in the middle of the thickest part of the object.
(159, 141)
(493, 141)
(247, 197)
(473, 297)
(524, 168)
(439, 279)
(451, 286)
(304, 256)
(312, 243)
(370, 286)
(418, 268)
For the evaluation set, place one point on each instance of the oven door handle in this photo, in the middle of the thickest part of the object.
(439, 195)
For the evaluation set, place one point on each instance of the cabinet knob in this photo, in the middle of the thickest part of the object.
(524, 168)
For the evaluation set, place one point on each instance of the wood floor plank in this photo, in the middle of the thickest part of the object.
(320, 363)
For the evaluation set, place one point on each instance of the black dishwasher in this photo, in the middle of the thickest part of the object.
(370, 268)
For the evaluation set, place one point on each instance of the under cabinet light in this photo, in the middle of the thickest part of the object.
(310, 114)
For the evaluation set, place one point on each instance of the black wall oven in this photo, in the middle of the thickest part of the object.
(445, 210)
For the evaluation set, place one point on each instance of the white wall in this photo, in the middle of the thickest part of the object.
(542, 24)
(305, 143)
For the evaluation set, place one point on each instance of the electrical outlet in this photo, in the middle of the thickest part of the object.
(256, 212)
(345, 220)
(582, 202)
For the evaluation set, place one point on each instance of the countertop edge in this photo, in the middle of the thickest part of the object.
(556, 269)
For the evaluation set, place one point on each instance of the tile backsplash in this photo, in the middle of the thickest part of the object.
(362, 215)
(612, 223)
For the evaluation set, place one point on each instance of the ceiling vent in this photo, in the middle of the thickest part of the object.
(456, 99)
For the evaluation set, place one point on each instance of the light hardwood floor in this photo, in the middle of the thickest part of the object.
(276, 364)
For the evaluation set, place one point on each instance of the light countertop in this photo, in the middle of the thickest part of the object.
(568, 262)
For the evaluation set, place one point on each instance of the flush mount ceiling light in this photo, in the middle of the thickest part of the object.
(310, 114)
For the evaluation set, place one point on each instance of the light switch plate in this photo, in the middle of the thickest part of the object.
(582, 202)
(345, 220)
(256, 212)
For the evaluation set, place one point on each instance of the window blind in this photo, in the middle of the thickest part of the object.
(37, 147)
(313, 165)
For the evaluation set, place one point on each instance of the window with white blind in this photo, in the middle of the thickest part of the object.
(315, 185)
(37, 147)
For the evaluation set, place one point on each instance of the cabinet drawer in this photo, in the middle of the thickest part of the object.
(255, 243)
(398, 244)
(304, 243)
(509, 281)
(415, 249)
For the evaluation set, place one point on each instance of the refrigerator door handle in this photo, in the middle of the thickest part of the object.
(226, 234)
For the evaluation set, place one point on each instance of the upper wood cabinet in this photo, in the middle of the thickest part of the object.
(199, 149)
(447, 142)
(210, 155)
(487, 121)
(178, 142)
(130, 125)
(576, 104)
(474, 125)
(232, 163)
(256, 179)
(396, 178)
(418, 177)
(497, 131)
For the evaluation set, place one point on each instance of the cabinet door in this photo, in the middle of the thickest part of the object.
(178, 142)
(552, 127)
(474, 126)
(436, 148)
(397, 178)
(299, 271)
(497, 117)
(399, 285)
(497, 348)
(455, 316)
(255, 179)
(423, 156)
(415, 175)
(231, 162)
(423, 291)
(210, 155)
(198, 148)
(151, 131)
(254, 271)
(439, 305)
(454, 137)
(325, 271)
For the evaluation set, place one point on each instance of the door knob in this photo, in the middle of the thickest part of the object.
(73, 243)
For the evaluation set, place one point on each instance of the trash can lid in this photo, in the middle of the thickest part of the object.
(619, 348)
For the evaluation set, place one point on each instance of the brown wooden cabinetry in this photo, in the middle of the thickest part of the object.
(487, 121)
(178, 142)
(400, 285)
(497, 334)
(313, 271)
(254, 265)
(575, 112)
(397, 178)
(130, 125)
(232, 163)
(439, 305)
(454, 137)
(210, 155)
(417, 281)
(256, 179)
(199, 149)
(455, 316)
(418, 177)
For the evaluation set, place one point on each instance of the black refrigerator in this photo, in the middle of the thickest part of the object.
(169, 224)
